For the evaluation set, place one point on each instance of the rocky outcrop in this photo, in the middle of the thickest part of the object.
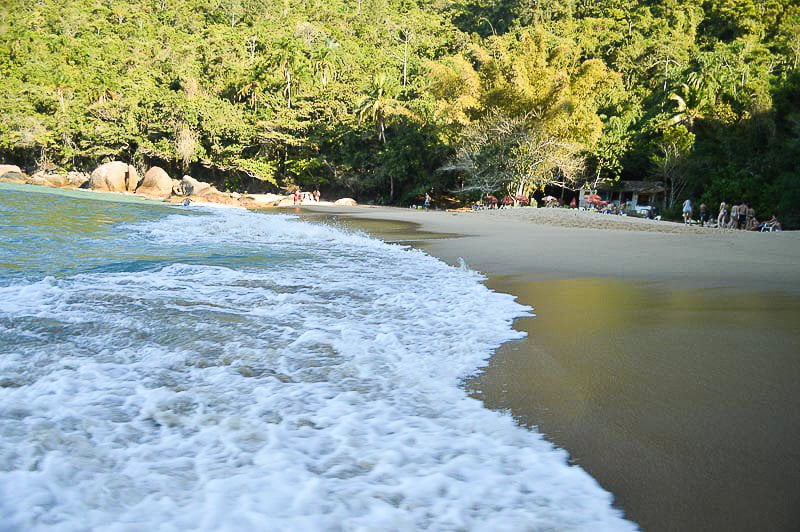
(192, 187)
(6, 168)
(156, 183)
(221, 198)
(47, 179)
(115, 176)
(347, 202)
(13, 177)
(77, 179)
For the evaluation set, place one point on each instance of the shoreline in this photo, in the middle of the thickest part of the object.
(610, 372)
(513, 242)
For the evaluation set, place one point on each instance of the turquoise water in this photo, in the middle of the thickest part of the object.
(219, 369)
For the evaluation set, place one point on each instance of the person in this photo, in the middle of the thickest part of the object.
(733, 223)
(751, 218)
(427, 203)
(742, 215)
(186, 202)
(573, 203)
(771, 225)
(703, 215)
(723, 213)
(687, 211)
(317, 195)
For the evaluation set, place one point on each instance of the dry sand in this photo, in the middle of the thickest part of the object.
(543, 244)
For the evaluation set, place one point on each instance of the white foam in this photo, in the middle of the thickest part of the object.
(321, 392)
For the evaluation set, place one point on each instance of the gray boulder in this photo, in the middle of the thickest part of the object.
(115, 176)
(156, 183)
(192, 187)
(77, 179)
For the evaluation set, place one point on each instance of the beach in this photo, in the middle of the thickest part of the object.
(662, 357)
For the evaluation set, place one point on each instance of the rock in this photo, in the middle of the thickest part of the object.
(55, 180)
(115, 176)
(6, 168)
(347, 202)
(77, 179)
(177, 187)
(193, 187)
(220, 197)
(12, 177)
(36, 180)
(156, 183)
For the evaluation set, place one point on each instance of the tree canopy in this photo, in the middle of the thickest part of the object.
(374, 98)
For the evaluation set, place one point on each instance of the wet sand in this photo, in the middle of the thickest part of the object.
(666, 363)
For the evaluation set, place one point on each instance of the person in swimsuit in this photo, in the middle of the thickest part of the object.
(723, 213)
(734, 221)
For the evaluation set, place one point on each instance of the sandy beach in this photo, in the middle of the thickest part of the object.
(543, 244)
(662, 357)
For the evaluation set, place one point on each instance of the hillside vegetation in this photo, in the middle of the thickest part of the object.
(385, 99)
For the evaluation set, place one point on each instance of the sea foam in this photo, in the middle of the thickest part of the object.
(312, 385)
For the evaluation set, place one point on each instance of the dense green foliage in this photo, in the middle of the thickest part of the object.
(375, 97)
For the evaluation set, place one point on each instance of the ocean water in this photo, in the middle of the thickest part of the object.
(217, 369)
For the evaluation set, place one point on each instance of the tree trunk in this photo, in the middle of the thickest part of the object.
(289, 89)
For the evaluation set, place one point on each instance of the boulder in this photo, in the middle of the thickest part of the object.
(55, 180)
(12, 177)
(177, 187)
(49, 179)
(156, 183)
(115, 176)
(347, 202)
(77, 179)
(193, 187)
(221, 198)
(5, 168)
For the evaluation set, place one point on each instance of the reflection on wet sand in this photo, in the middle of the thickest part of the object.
(681, 402)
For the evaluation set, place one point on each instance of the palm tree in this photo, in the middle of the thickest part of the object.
(380, 105)
(289, 59)
(325, 61)
(690, 103)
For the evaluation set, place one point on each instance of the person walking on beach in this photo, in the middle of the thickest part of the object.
(723, 212)
(427, 203)
(687, 211)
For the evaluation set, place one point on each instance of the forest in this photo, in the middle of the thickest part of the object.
(385, 100)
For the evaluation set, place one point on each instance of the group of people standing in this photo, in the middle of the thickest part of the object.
(299, 196)
(742, 216)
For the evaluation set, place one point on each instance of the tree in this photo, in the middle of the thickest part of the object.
(510, 153)
(671, 161)
(290, 60)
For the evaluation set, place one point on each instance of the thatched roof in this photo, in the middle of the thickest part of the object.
(640, 187)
